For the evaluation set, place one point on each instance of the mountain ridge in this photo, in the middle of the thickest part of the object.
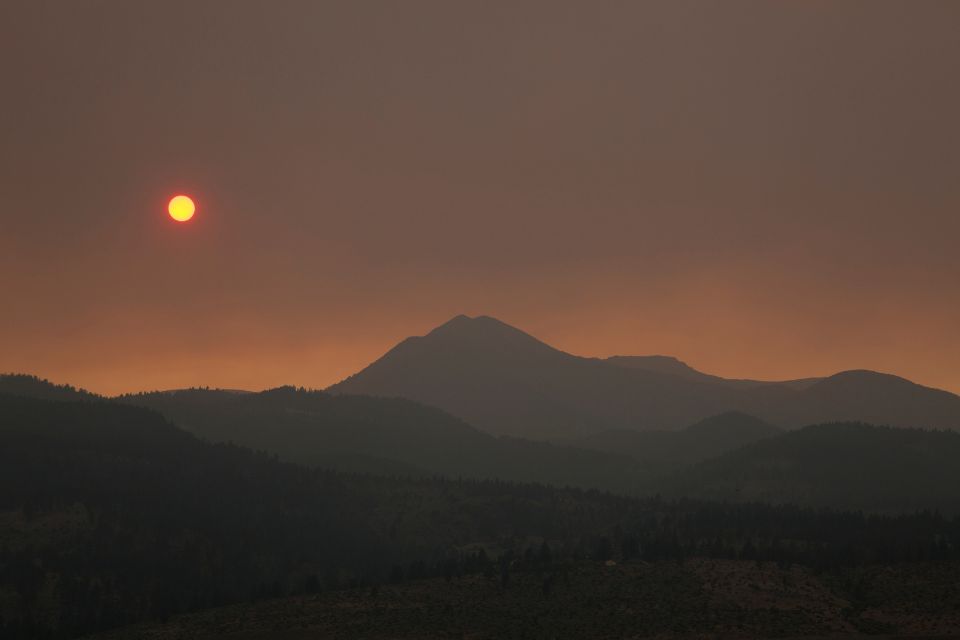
(665, 451)
(508, 382)
(849, 465)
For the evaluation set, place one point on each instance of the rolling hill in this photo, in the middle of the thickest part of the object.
(20, 384)
(864, 396)
(666, 451)
(731, 456)
(385, 436)
(110, 514)
(382, 435)
(841, 465)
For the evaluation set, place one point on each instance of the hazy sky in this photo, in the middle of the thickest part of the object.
(763, 189)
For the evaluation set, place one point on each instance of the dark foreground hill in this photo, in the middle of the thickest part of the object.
(365, 434)
(20, 384)
(732, 456)
(505, 381)
(848, 465)
(384, 435)
(110, 515)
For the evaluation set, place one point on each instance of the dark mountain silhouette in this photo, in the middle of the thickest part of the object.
(394, 436)
(112, 515)
(660, 364)
(841, 465)
(866, 396)
(671, 365)
(35, 387)
(505, 381)
(383, 435)
(730, 430)
(663, 451)
(386, 436)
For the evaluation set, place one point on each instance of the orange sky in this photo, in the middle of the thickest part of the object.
(761, 189)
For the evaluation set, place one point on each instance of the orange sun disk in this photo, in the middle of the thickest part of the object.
(181, 208)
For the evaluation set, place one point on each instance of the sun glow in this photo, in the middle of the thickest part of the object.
(181, 208)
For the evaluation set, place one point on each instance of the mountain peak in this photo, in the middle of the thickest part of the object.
(865, 380)
(465, 323)
(483, 332)
(503, 380)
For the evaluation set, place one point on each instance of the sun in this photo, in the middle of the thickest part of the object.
(181, 208)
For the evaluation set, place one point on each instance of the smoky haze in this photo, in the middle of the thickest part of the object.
(764, 190)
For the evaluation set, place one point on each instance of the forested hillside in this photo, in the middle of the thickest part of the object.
(385, 435)
(20, 384)
(843, 465)
(732, 456)
(667, 451)
(112, 515)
